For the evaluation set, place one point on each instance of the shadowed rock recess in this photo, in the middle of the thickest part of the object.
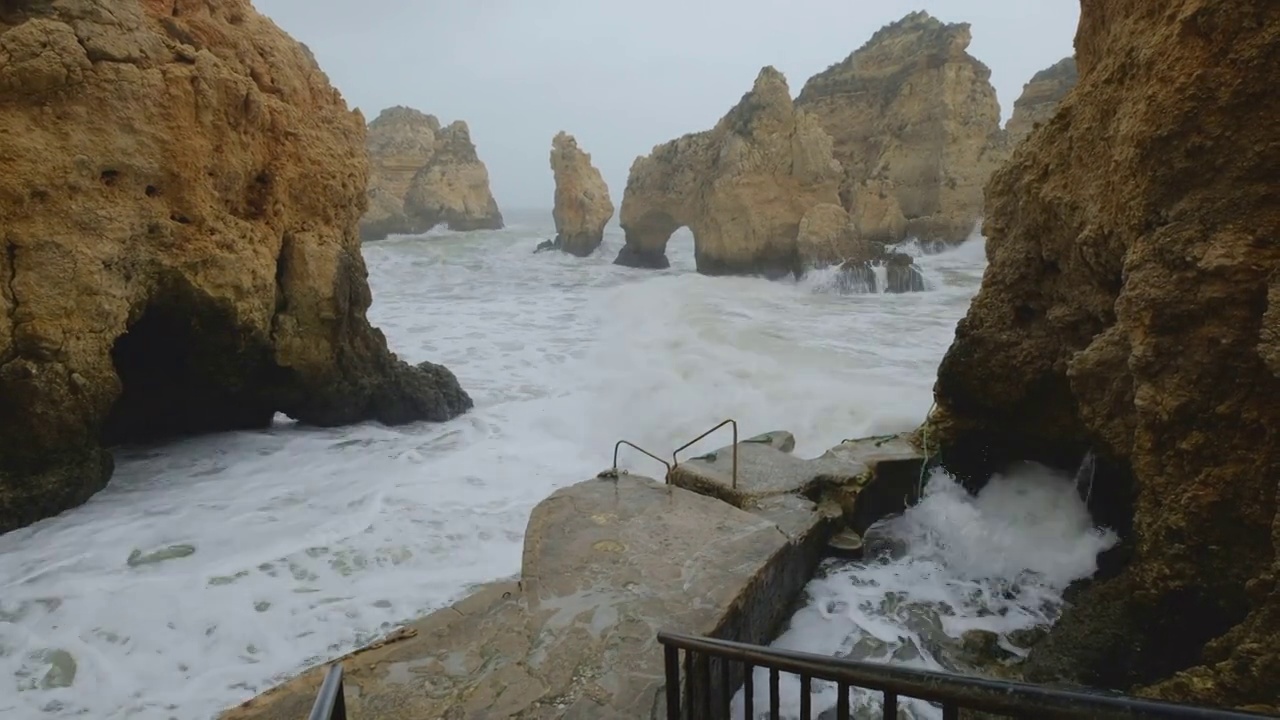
(179, 254)
(1131, 307)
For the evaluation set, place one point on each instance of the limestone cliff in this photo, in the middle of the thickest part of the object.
(582, 204)
(180, 196)
(916, 127)
(1040, 98)
(424, 175)
(1130, 306)
(741, 187)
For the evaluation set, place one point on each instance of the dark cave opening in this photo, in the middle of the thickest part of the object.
(185, 368)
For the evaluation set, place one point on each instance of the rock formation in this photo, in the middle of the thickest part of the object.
(582, 204)
(741, 187)
(424, 175)
(1040, 98)
(827, 237)
(1131, 307)
(916, 128)
(181, 191)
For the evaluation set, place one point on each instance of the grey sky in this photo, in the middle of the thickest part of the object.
(621, 76)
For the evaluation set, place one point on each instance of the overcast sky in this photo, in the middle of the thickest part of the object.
(621, 76)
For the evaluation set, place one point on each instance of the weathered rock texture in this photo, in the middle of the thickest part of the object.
(423, 176)
(582, 204)
(1132, 305)
(916, 128)
(741, 187)
(180, 194)
(1040, 98)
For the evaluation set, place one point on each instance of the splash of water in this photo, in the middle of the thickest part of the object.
(957, 582)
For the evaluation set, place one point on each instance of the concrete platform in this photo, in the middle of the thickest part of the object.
(609, 562)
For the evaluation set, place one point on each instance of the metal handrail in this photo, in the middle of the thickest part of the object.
(675, 463)
(952, 691)
(613, 472)
(330, 703)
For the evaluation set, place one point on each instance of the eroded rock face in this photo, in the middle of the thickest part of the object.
(916, 128)
(741, 187)
(180, 195)
(582, 204)
(424, 175)
(1129, 306)
(1040, 98)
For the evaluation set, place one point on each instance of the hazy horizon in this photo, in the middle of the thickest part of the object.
(625, 78)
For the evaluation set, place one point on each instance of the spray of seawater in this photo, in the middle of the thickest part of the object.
(957, 582)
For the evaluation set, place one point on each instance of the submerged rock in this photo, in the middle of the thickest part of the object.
(582, 204)
(172, 552)
(424, 175)
(180, 254)
(1130, 305)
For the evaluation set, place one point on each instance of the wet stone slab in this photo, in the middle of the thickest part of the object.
(607, 563)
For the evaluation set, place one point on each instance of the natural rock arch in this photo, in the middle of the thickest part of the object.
(741, 187)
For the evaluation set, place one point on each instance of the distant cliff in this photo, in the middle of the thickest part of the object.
(424, 175)
(916, 127)
(1040, 98)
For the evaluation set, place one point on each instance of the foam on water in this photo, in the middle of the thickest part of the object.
(212, 568)
(952, 564)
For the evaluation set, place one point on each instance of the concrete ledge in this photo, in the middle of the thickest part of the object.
(607, 563)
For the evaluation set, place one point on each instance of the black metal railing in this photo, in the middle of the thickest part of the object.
(330, 702)
(707, 695)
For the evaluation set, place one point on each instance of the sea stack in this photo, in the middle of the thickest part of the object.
(424, 175)
(582, 204)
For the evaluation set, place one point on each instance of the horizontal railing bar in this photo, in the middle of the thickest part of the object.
(970, 692)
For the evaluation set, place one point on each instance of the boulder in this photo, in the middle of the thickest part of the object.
(424, 175)
(1129, 307)
(742, 187)
(916, 128)
(1040, 98)
(181, 190)
(582, 204)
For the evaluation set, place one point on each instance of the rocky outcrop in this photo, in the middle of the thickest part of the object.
(181, 190)
(582, 204)
(424, 175)
(1130, 306)
(916, 128)
(741, 187)
(1040, 98)
(828, 237)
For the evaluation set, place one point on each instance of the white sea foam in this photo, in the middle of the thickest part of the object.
(263, 552)
(953, 563)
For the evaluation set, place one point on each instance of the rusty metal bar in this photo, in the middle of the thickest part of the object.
(613, 472)
(675, 463)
